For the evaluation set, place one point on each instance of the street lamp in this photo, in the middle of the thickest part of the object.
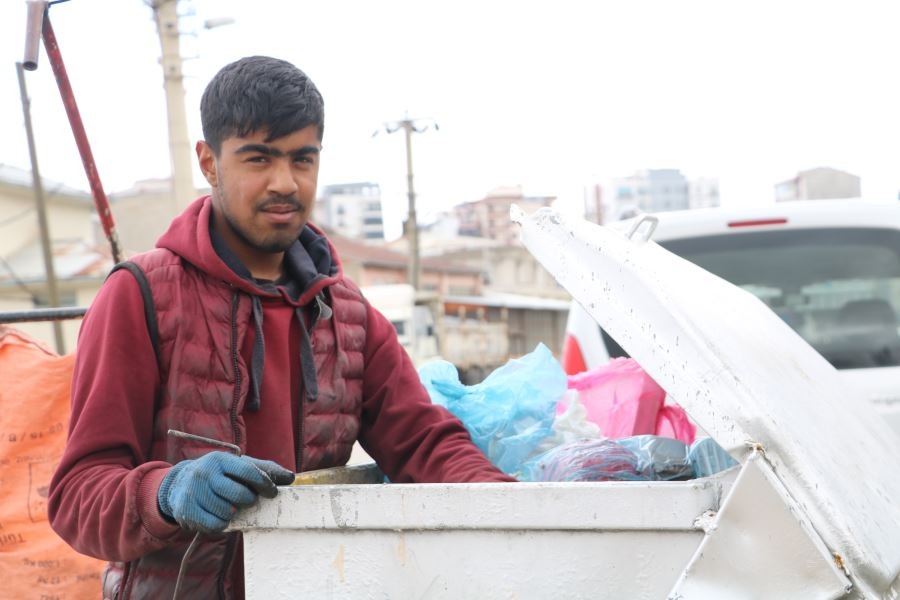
(410, 126)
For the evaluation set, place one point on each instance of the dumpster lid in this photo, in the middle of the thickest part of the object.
(743, 375)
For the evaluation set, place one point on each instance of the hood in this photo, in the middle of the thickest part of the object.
(189, 237)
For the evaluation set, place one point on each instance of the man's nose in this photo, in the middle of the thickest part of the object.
(281, 179)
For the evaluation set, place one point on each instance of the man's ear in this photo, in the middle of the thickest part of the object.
(207, 159)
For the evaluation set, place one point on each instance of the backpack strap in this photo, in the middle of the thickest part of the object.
(149, 307)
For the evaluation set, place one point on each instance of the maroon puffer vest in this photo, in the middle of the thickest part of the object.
(202, 323)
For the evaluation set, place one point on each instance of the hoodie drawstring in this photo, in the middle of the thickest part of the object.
(307, 361)
(258, 357)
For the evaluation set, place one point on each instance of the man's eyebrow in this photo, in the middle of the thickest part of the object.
(304, 151)
(275, 152)
(259, 149)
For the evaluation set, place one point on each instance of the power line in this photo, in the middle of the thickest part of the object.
(16, 217)
(18, 281)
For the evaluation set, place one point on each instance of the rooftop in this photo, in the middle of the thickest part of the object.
(21, 178)
(72, 259)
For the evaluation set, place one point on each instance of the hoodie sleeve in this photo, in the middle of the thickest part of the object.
(411, 439)
(103, 493)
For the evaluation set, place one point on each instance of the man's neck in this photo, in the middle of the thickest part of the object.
(270, 270)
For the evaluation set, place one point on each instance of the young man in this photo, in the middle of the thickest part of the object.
(244, 330)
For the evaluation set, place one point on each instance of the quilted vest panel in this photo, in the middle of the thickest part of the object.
(202, 323)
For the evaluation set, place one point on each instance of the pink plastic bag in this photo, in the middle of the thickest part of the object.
(673, 422)
(623, 400)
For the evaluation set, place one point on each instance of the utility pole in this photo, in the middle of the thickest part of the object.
(52, 290)
(165, 12)
(410, 126)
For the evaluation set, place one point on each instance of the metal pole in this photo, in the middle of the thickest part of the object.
(183, 191)
(52, 290)
(41, 314)
(84, 147)
(412, 228)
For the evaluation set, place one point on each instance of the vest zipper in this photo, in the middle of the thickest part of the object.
(124, 590)
(227, 567)
(230, 544)
(302, 399)
(300, 432)
(236, 396)
(300, 405)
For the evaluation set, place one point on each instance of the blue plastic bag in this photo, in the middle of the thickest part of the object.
(507, 414)
(708, 458)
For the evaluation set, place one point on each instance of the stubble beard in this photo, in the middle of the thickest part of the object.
(277, 243)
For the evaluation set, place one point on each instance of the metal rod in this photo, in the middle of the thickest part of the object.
(46, 246)
(204, 440)
(182, 569)
(81, 140)
(41, 314)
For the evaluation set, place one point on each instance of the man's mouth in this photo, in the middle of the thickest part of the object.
(281, 208)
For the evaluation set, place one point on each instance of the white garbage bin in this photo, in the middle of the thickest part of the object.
(812, 512)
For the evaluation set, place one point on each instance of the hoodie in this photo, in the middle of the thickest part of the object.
(103, 494)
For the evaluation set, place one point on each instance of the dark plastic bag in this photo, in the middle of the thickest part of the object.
(661, 458)
(585, 460)
(510, 412)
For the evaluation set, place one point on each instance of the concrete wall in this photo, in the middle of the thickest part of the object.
(67, 218)
(511, 269)
(141, 219)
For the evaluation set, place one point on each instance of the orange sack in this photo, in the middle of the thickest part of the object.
(34, 419)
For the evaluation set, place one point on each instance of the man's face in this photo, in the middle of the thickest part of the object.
(263, 192)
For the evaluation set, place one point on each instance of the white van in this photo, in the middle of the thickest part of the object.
(829, 268)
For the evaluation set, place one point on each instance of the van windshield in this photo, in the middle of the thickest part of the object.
(838, 288)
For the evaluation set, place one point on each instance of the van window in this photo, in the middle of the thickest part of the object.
(400, 327)
(839, 288)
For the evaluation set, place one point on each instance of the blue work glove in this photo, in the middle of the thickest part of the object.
(205, 493)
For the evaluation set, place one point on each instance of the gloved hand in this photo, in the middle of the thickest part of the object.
(205, 493)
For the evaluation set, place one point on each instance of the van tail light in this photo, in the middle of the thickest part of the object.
(572, 359)
(758, 222)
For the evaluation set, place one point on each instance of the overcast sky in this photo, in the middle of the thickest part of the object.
(549, 95)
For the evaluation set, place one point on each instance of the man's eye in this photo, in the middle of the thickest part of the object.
(258, 159)
(306, 160)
